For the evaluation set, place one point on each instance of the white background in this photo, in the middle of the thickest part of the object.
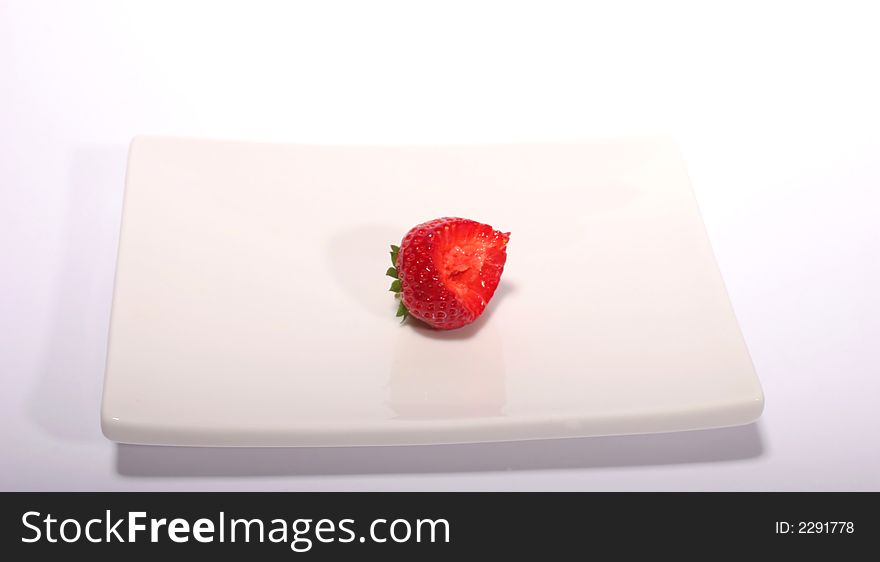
(776, 106)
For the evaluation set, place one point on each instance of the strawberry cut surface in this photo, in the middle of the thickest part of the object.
(447, 270)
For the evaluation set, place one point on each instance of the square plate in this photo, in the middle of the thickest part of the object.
(251, 306)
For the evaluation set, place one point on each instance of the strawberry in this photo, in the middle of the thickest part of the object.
(446, 271)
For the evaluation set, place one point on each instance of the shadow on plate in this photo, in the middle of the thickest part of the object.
(357, 259)
(714, 445)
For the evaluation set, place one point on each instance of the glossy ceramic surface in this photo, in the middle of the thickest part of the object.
(251, 306)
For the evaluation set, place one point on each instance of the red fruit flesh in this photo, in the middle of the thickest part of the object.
(449, 269)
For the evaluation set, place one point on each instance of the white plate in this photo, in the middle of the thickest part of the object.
(251, 304)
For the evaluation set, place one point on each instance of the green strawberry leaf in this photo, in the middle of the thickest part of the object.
(396, 287)
(402, 311)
